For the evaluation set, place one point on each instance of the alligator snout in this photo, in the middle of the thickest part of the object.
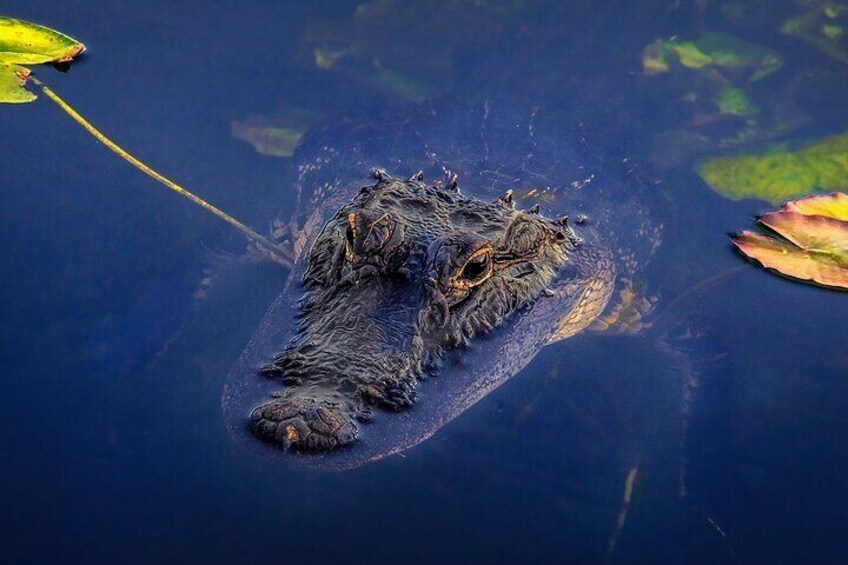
(301, 423)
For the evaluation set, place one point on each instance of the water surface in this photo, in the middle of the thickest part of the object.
(113, 447)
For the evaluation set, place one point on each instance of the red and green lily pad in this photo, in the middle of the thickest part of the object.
(806, 240)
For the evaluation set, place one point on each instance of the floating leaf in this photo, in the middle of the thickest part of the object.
(811, 243)
(25, 43)
(12, 81)
(774, 177)
(831, 205)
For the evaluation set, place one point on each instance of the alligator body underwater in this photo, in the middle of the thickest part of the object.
(411, 300)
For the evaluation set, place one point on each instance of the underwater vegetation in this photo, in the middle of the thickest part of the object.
(276, 135)
(823, 26)
(712, 50)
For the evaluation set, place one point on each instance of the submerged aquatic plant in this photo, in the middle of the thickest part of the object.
(717, 73)
(276, 135)
(26, 43)
(808, 240)
(824, 27)
(712, 51)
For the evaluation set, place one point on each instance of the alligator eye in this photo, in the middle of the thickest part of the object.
(477, 267)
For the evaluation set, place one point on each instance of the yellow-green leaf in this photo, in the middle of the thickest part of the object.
(810, 241)
(777, 176)
(830, 205)
(12, 81)
(26, 43)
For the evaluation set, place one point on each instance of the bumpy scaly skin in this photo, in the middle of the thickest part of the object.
(400, 274)
(308, 423)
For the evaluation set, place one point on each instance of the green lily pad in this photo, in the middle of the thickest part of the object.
(782, 174)
(25, 43)
(12, 81)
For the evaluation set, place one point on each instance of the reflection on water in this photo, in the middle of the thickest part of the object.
(730, 406)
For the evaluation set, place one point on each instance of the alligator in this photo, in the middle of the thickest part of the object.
(402, 273)
(410, 300)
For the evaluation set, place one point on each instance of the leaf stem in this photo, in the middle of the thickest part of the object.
(278, 254)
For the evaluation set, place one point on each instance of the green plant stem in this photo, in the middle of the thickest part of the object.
(277, 253)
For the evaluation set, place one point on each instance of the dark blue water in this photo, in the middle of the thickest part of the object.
(113, 447)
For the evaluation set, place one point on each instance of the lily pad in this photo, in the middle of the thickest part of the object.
(809, 241)
(782, 174)
(25, 43)
(12, 85)
(831, 205)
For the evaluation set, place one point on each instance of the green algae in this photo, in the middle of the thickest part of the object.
(780, 174)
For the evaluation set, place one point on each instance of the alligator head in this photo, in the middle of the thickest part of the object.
(401, 274)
